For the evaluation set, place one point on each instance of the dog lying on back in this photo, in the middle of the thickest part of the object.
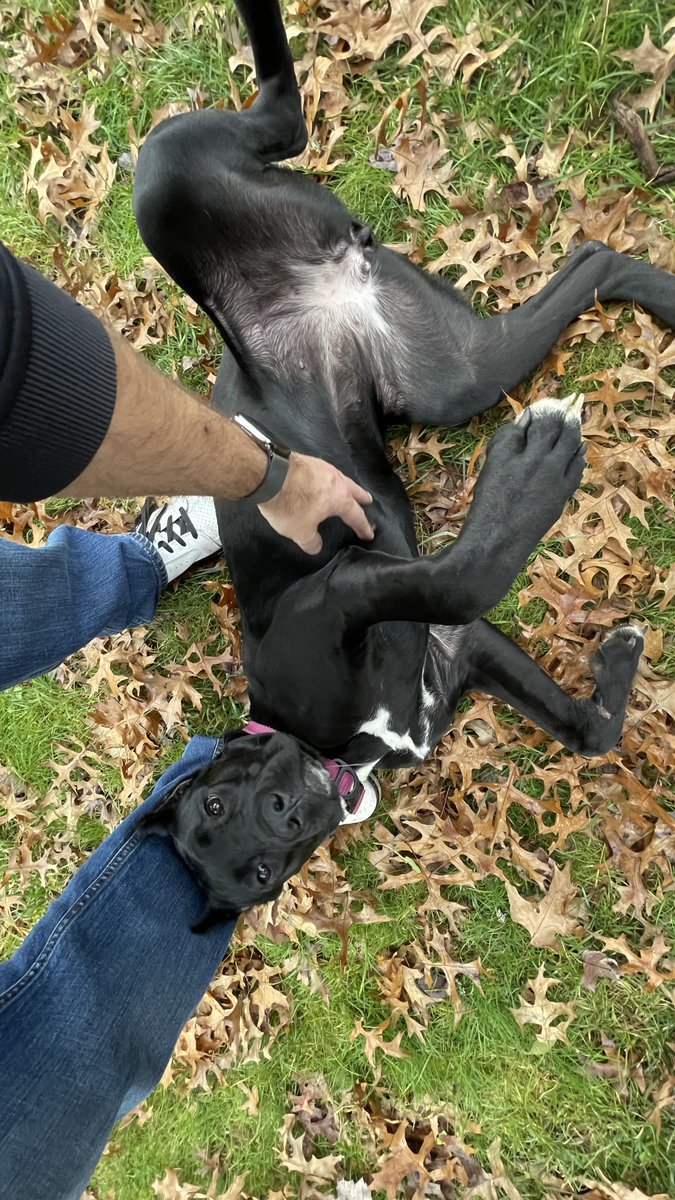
(362, 653)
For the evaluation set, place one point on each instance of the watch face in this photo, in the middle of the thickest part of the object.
(261, 436)
(253, 431)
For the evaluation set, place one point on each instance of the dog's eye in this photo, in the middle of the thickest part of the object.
(278, 804)
(264, 872)
(214, 806)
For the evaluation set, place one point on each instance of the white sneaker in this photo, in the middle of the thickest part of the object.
(183, 532)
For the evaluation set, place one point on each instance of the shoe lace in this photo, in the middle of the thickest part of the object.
(175, 529)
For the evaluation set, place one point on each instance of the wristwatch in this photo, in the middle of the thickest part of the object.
(277, 460)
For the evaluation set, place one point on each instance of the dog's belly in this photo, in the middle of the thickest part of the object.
(333, 329)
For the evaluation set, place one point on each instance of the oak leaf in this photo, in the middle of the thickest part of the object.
(544, 1012)
(617, 1191)
(648, 59)
(647, 962)
(400, 1163)
(597, 966)
(292, 1156)
(366, 32)
(374, 1041)
(548, 917)
(416, 158)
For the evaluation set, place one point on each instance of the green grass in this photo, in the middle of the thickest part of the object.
(552, 1117)
(559, 1119)
(34, 718)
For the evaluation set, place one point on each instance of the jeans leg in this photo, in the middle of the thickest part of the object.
(92, 1003)
(80, 585)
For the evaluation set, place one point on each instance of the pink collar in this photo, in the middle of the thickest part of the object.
(348, 783)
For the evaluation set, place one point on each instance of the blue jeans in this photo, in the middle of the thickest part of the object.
(79, 586)
(92, 1003)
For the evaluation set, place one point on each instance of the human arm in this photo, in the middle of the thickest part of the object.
(167, 440)
(82, 414)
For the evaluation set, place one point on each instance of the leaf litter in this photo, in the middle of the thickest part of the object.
(495, 799)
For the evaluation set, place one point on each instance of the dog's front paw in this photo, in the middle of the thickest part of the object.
(551, 453)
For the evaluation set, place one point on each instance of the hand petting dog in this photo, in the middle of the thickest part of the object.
(313, 492)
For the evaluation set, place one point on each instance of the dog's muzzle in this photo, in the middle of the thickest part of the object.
(349, 786)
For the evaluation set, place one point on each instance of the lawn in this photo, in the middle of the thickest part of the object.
(473, 994)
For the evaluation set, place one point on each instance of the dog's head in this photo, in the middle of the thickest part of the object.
(249, 820)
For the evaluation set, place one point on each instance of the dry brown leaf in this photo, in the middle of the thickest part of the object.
(375, 1041)
(648, 59)
(400, 1163)
(664, 1097)
(416, 156)
(71, 183)
(364, 32)
(617, 1191)
(597, 966)
(647, 962)
(292, 1156)
(541, 1011)
(547, 918)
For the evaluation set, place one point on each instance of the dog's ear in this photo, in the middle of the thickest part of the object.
(162, 819)
(231, 735)
(212, 915)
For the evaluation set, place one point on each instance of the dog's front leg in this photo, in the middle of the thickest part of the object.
(532, 467)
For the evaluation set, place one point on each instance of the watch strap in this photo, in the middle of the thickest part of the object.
(277, 460)
(275, 477)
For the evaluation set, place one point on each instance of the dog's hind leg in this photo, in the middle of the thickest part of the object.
(274, 125)
(494, 354)
(589, 726)
(511, 345)
(205, 194)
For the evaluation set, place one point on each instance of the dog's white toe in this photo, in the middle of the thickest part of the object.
(570, 408)
(630, 632)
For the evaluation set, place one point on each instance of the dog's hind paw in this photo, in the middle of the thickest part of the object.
(614, 666)
(615, 662)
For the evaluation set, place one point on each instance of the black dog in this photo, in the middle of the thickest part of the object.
(245, 824)
(365, 651)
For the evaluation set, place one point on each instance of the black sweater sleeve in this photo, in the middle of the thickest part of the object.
(57, 384)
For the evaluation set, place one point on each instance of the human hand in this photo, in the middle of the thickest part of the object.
(312, 492)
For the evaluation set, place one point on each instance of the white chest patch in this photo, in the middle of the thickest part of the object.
(339, 295)
(380, 727)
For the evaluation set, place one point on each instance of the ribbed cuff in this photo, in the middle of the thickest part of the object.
(57, 393)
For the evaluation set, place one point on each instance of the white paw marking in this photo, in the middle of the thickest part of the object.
(569, 408)
(629, 632)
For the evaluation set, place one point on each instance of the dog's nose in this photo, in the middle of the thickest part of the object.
(281, 814)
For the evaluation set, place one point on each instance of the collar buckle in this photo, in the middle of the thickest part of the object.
(348, 784)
